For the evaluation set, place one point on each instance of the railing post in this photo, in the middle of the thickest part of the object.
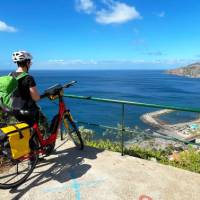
(122, 130)
(131, 103)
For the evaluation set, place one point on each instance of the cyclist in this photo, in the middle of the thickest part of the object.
(28, 91)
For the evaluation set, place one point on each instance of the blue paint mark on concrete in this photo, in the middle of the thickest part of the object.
(82, 184)
(75, 185)
(76, 188)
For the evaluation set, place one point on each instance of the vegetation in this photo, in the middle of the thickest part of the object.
(6, 119)
(188, 159)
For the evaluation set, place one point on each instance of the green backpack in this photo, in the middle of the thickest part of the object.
(9, 89)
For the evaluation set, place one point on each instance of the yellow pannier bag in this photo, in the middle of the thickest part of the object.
(18, 137)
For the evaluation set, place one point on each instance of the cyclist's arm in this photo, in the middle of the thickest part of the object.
(34, 93)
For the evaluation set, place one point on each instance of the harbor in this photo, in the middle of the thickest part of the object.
(189, 131)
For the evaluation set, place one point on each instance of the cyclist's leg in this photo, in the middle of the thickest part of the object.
(70, 128)
(52, 130)
(43, 123)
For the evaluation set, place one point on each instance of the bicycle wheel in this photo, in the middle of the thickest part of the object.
(14, 172)
(71, 130)
(49, 149)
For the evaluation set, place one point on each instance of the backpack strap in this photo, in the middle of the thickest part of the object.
(23, 74)
(19, 131)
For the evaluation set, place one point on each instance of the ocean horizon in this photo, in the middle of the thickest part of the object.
(145, 86)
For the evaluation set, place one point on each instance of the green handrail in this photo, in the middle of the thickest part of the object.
(132, 103)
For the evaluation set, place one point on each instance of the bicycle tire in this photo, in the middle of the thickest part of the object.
(8, 165)
(72, 131)
(49, 149)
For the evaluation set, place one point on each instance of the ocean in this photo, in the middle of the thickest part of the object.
(146, 86)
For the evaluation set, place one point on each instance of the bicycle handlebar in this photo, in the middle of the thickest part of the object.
(53, 90)
(69, 84)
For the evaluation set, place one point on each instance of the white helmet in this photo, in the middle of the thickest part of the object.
(21, 56)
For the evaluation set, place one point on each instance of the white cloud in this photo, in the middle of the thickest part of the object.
(86, 6)
(117, 12)
(6, 28)
(72, 62)
(78, 64)
(55, 61)
(179, 61)
(161, 14)
(122, 62)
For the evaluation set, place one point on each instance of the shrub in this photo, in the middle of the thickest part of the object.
(188, 159)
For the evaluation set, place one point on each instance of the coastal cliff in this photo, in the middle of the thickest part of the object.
(192, 70)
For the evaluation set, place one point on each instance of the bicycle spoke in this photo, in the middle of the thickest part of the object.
(17, 169)
(13, 173)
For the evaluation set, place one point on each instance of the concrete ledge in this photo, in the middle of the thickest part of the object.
(104, 175)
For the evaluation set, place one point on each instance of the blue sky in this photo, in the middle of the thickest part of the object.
(101, 34)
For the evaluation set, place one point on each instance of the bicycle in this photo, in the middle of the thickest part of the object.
(15, 172)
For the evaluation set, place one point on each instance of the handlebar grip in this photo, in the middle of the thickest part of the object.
(69, 84)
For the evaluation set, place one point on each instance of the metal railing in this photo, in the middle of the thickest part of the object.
(131, 103)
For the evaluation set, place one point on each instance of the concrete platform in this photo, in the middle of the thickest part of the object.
(104, 175)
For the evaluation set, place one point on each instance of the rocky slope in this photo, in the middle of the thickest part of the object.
(192, 70)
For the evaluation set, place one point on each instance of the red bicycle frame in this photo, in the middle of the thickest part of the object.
(53, 136)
